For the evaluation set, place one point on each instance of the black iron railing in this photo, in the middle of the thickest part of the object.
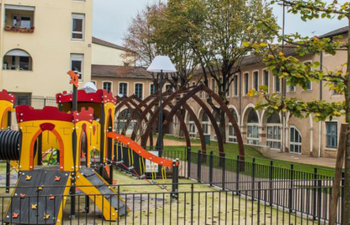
(194, 204)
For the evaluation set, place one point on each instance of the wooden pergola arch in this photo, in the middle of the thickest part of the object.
(169, 96)
(143, 116)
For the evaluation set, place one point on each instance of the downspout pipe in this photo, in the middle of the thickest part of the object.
(320, 140)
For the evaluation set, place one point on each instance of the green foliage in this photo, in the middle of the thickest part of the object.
(285, 61)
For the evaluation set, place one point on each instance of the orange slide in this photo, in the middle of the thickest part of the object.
(139, 150)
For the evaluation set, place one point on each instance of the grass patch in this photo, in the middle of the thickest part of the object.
(301, 170)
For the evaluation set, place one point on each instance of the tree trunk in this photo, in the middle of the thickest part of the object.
(347, 151)
(338, 175)
(222, 126)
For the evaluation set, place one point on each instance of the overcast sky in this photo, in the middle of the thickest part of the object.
(112, 17)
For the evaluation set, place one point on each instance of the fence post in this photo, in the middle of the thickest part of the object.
(314, 194)
(44, 101)
(223, 170)
(342, 198)
(175, 184)
(271, 183)
(253, 179)
(319, 197)
(199, 166)
(211, 168)
(8, 175)
(188, 163)
(291, 187)
(237, 173)
(192, 200)
(259, 197)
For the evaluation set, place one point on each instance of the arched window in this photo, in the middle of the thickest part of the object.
(253, 128)
(295, 140)
(192, 127)
(17, 59)
(232, 137)
(205, 123)
(273, 124)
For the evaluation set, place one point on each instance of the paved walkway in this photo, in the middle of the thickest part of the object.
(305, 159)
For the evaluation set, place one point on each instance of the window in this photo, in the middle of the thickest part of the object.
(152, 89)
(308, 86)
(256, 80)
(17, 60)
(332, 134)
(139, 91)
(253, 128)
(205, 124)
(123, 89)
(277, 84)
(77, 64)
(267, 79)
(236, 85)
(19, 17)
(273, 128)
(295, 140)
(291, 88)
(107, 86)
(246, 83)
(192, 127)
(78, 26)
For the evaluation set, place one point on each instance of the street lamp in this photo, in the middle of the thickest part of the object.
(161, 64)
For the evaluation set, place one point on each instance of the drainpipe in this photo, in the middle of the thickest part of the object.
(320, 123)
(240, 98)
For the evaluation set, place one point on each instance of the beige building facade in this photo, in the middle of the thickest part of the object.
(297, 136)
(40, 40)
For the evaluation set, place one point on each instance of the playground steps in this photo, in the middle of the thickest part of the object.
(31, 204)
(101, 185)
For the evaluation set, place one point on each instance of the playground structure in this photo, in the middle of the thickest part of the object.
(80, 128)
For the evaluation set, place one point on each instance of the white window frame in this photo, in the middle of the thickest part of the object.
(245, 82)
(325, 125)
(295, 143)
(253, 79)
(231, 138)
(150, 89)
(207, 124)
(290, 90)
(143, 89)
(107, 81)
(127, 87)
(78, 57)
(234, 86)
(273, 126)
(274, 84)
(78, 16)
(250, 140)
(268, 77)
(192, 128)
(310, 89)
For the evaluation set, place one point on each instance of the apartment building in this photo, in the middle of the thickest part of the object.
(40, 40)
(297, 136)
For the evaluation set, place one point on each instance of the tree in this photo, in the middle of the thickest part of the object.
(295, 72)
(139, 35)
(215, 31)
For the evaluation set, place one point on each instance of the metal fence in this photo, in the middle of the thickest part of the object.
(232, 174)
(195, 204)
